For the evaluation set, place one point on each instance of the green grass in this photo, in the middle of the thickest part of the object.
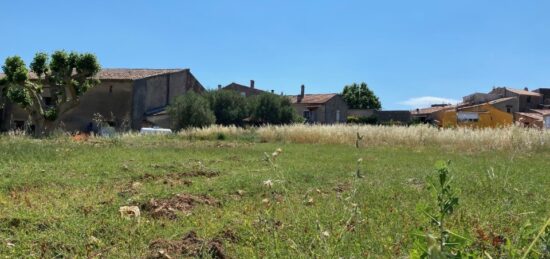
(56, 196)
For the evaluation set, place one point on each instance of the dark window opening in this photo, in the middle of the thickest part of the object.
(307, 115)
(48, 101)
(110, 89)
(111, 123)
(528, 99)
(19, 125)
(508, 109)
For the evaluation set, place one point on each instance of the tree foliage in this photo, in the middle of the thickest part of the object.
(66, 76)
(229, 107)
(191, 110)
(269, 108)
(359, 96)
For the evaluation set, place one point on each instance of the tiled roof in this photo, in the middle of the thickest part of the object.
(501, 100)
(132, 74)
(431, 110)
(125, 73)
(235, 86)
(313, 98)
(522, 92)
(542, 112)
(533, 115)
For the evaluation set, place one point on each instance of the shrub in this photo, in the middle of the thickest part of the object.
(229, 107)
(271, 109)
(371, 120)
(191, 110)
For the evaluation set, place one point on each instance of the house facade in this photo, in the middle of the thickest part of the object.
(526, 99)
(320, 108)
(125, 98)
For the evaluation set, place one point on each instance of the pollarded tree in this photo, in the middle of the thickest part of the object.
(359, 96)
(55, 86)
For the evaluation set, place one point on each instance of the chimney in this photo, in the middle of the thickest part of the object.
(219, 87)
(252, 84)
(526, 89)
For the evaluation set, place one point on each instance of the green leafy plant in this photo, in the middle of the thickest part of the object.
(360, 96)
(443, 243)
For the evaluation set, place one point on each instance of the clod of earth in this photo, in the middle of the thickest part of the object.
(167, 208)
(189, 246)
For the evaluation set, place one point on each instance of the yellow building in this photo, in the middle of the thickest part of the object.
(483, 115)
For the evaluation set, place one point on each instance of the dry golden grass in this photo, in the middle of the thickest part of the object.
(508, 138)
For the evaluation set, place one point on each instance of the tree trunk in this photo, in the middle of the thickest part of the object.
(43, 127)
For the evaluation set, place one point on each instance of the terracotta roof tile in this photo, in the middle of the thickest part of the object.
(313, 98)
(522, 92)
(125, 73)
(542, 112)
(431, 110)
(235, 86)
(533, 115)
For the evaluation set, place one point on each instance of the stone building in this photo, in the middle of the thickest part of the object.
(320, 108)
(243, 90)
(526, 99)
(125, 98)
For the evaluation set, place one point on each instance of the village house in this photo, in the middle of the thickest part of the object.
(502, 106)
(125, 98)
(320, 108)
(526, 100)
(243, 90)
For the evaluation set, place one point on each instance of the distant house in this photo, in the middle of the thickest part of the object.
(244, 90)
(526, 100)
(320, 108)
(431, 115)
(545, 97)
(536, 118)
(125, 98)
(488, 114)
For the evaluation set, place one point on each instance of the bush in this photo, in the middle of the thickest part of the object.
(271, 109)
(371, 120)
(191, 110)
(229, 107)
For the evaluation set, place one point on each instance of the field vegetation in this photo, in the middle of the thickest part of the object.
(278, 191)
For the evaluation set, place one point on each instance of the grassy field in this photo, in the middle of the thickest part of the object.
(203, 196)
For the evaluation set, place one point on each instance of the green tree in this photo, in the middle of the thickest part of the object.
(359, 96)
(64, 76)
(191, 110)
(269, 108)
(229, 107)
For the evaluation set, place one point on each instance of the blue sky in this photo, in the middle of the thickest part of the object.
(404, 50)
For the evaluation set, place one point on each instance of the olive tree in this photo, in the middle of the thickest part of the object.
(62, 78)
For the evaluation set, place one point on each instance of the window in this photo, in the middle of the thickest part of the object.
(307, 115)
(337, 115)
(467, 117)
(20, 125)
(509, 108)
(243, 94)
(48, 101)
(110, 89)
(528, 99)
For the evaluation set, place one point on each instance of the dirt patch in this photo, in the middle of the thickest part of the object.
(189, 246)
(342, 187)
(209, 173)
(167, 208)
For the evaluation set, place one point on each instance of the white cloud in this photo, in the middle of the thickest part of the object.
(427, 101)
